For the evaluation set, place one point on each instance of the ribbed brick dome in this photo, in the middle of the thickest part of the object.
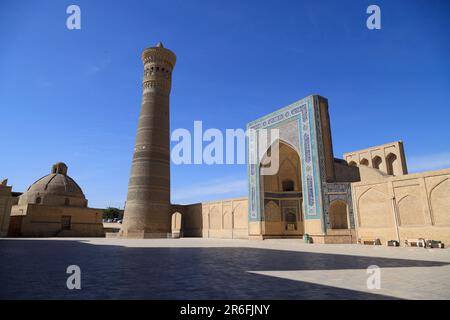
(56, 188)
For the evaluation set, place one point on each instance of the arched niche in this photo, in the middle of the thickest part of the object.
(338, 215)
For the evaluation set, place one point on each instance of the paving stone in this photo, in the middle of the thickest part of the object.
(195, 268)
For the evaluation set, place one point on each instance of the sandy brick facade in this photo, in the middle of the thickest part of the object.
(36, 220)
(217, 219)
(6, 201)
(404, 207)
(388, 158)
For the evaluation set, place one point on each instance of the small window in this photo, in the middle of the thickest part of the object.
(38, 200)
(391, 163)
(288, 185)
(67, 202)
(376, 162)
(364, 162)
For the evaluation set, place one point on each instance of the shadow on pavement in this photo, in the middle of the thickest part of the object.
(37, 270)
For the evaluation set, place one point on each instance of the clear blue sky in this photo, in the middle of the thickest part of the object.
(74, 96)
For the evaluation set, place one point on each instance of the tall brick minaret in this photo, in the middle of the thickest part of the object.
(147, 210)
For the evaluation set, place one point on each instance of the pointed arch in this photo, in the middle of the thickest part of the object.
(289, 167)
(440, 203)
(280, 142)
(364, 162)
(374, 209)
(228, 219)
(376, 162)
(338, 212)
(176, 222)
(363, 193)
(240, 215)
(272, 212)
(215, 218)
(391, 164)
(410, 212)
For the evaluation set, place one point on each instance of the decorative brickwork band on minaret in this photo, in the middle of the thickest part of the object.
(148, 201)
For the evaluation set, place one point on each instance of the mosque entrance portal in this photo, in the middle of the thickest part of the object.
(282, 195)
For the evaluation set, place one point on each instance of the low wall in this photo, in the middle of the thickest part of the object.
(217, 219)
(38, 220)
(404, 207)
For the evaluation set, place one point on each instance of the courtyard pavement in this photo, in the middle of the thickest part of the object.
(195, 268)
